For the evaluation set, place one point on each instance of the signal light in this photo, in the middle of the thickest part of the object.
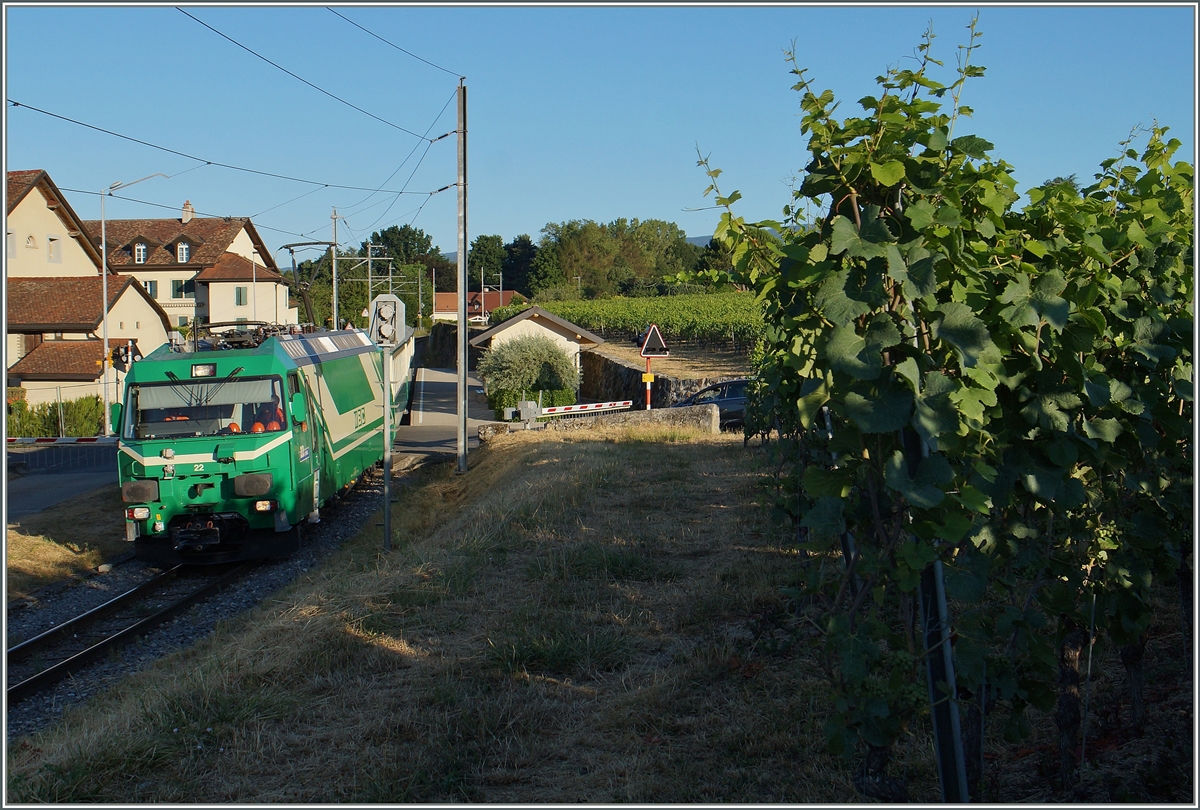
(137, 513)
(264, 506)
(387, 317)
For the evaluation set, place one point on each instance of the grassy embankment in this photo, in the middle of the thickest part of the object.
(582, 617)
(65, 543)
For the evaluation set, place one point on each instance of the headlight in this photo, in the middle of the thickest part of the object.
(264, 506)
(251, 485)
(137, 513)
(204, 370)
(143, 491)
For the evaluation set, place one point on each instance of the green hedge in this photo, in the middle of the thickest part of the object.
(499, 400)
(81, 417)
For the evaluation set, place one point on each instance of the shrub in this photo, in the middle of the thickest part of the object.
(522, 367)
(500, 399)
(81, 417)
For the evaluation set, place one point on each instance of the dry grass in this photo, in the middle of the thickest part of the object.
(62, 544)
(684, 363)
(582, 617)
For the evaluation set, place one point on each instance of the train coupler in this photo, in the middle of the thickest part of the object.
(200, 532)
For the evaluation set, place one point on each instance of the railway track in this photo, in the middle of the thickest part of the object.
(38, 662)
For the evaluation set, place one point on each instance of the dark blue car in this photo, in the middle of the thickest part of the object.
(729, 397)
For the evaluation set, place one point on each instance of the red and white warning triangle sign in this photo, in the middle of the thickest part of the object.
(652, 343)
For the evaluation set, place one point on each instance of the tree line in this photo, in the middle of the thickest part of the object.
(572, 259)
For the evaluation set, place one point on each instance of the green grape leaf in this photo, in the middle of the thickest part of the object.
(850, 354)
(924, 491)
(959, 327)
(920, 214)
(825, 519)
(888, 174)
(889, 410)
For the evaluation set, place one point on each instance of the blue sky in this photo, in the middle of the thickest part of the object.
(573, 112)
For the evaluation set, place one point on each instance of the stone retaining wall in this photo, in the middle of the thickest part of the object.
(441, 348)
(606, 380)
(705, 418)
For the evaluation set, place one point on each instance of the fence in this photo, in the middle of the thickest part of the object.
(42, 456)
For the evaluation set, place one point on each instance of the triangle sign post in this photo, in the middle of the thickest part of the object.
(652, 346)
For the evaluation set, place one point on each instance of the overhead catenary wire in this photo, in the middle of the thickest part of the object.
(203, 160)
(301, 79)
(409, 157)
(397, 47)
(176, 208)
(292, 200)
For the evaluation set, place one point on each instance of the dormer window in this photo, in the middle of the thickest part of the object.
(139, 253)
(183, 252)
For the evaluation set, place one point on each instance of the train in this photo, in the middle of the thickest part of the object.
(227, 445)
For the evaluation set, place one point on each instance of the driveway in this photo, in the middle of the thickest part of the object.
(432, 429)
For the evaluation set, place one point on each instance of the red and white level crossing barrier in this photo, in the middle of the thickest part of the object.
(68, 440)
(563, 410)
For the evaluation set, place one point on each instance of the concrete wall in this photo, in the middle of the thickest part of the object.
(705, 418)
(605, 380)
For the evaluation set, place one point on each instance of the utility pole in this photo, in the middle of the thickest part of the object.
(462, 276)
(333, 259)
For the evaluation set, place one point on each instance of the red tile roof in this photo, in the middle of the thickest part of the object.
(61, 360)
(448, 301)
(19, 184)
(66, 304)
(232, 267)
(209, 237)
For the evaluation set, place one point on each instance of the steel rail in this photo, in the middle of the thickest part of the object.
(73, 664)
(19, 652)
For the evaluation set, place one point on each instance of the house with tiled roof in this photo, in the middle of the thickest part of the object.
(569, 337)
(205, 269)
(45, 236)
(54, 299)
(479, 308)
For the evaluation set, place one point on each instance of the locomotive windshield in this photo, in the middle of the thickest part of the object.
(210, 408)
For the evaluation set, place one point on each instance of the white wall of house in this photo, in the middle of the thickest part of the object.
(531, 326)
(132, 317)
(37, 392)
(226, 303)
(38, 244)
(173, 298)
(14, 348)
(243, 245)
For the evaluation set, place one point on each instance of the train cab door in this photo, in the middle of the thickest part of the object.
(304, 457)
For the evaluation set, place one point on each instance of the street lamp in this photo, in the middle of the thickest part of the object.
(104, 284)
(254, 280)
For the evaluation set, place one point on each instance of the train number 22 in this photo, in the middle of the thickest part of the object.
(360, 416)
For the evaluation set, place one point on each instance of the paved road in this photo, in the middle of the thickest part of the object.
(433, 424)
(432, 434)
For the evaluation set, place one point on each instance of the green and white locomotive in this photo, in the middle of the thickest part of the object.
(223, 452)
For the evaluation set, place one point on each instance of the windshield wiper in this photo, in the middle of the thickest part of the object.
(213, 391)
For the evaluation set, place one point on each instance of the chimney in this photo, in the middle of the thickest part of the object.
(189, 213)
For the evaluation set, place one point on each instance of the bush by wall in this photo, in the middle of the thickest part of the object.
(499, 400)
(80, 417)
